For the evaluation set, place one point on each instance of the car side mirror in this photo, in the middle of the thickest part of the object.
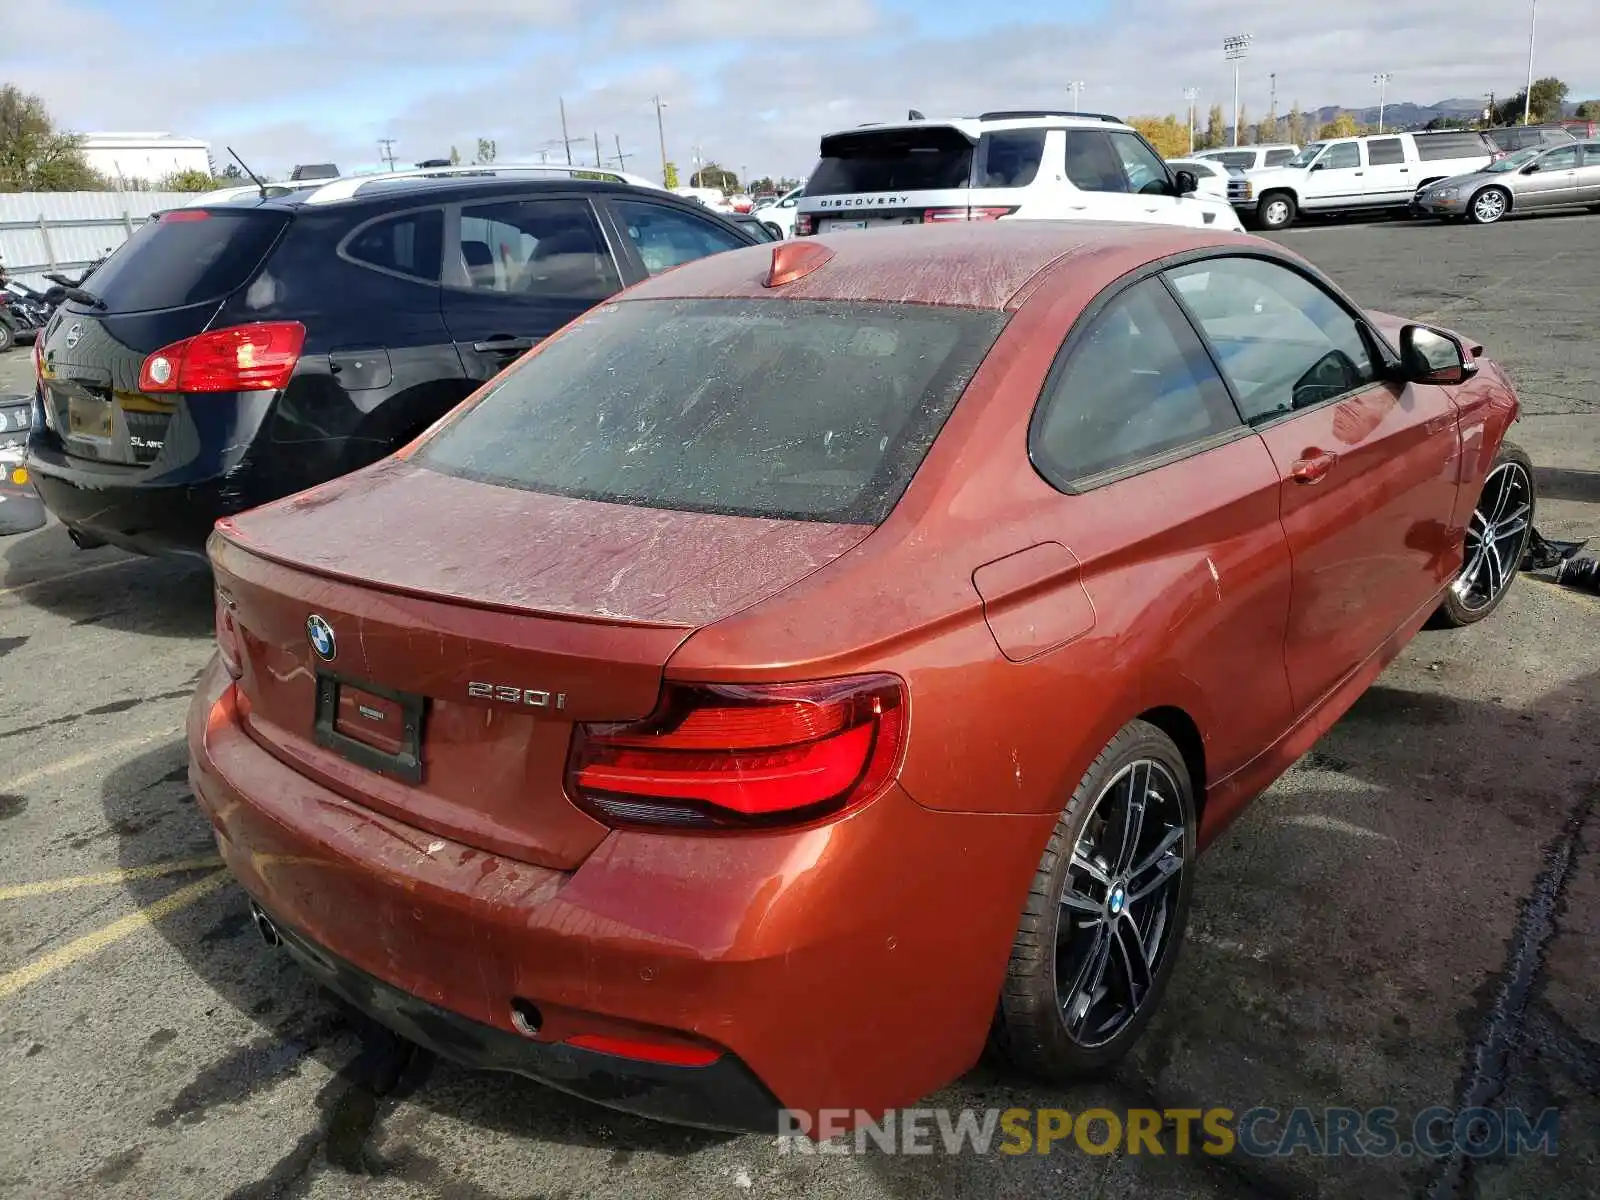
(788, 204)
(1186, 183)
(1430, 355)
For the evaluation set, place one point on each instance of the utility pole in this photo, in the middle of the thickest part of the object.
(1382, 80)
(622, 159)
(388, 151)
(1235, 49)
(1488, 113)
(1191, 95)
(1272, 109)
(598, 161)
(1076, 88)
(744, 178)
(1527, 96)
(661, 130)
(564, 136)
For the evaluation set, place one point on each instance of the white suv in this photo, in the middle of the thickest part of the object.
(778, 216)
(1026, 165)
(1357, 174)
(1249, 158)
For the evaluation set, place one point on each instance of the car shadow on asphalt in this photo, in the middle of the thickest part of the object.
(170, 598)
(1320, 969)
(1562, 483)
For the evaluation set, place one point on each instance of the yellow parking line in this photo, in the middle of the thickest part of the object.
(82, 760)
(105, 878)
(93, 943)
(62, 578)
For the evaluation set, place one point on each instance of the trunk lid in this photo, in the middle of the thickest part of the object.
(890, 175)
(166, 283)
(480, 650)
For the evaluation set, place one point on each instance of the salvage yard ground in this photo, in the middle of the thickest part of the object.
(1410, 918)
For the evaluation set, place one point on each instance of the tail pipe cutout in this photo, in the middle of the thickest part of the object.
(1034, 600)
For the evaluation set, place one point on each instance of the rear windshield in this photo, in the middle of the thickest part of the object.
(892, 160)
(801, 410)
(187, 256)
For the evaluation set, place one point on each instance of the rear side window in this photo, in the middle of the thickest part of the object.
(1382, 152)
(1276, 158)
(1241, 158)
(787, 409)
(1011, 158)
(408, 244)
(1432, 147)
(186, 256)
(1136, 385)
(892, 160)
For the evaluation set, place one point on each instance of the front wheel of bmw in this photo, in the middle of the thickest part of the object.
(1496, 540)
(1100, 932)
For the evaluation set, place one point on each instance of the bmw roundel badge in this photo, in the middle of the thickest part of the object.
(321, 635)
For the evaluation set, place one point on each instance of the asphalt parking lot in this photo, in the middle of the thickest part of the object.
(1410, 918)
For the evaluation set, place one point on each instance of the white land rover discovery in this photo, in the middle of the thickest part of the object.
(1024, 165)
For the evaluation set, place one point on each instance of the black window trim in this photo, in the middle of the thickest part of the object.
(1385, 356)
(453, 276)
(1078, 485)
(343, 248)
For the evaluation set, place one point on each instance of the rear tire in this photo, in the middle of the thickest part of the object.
(1275, 211)
(1505, 508)
(8, 339)
(1488, 206)
(1103, 922)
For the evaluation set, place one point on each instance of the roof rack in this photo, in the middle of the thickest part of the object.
(346, 188)
(1019, 114)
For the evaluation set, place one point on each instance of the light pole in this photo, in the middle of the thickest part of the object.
(1191, 95)
(661, 130)
(1234, 50)
(1076, 88)
(1382, 80)
(1527, 96)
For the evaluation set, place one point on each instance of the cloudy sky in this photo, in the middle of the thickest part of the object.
(752, 82)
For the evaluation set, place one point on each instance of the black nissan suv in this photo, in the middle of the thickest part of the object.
(233, 353)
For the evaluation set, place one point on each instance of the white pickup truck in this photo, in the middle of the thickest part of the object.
(1358, 174)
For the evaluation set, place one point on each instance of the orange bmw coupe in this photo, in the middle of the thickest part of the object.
(828, 657)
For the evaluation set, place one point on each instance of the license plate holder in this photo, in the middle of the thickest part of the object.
(396, 748)
(88, 417)
(835, 226)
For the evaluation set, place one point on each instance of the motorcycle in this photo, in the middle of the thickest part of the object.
(23, 313)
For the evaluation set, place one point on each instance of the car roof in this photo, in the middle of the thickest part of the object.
(961, 264)
(975, 127)
(438, 190)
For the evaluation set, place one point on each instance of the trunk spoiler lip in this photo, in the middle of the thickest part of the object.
(226, 538)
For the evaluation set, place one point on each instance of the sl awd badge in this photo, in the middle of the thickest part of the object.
(321, 636)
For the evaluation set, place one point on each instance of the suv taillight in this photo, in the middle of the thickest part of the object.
(934, 216)
(241, 358)
(228, 647)
(724, 756)
(804, 225)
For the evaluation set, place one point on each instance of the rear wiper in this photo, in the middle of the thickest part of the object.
(78, 295)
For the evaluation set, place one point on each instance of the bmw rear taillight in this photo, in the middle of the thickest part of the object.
(241, 358)
(38, 355)
(228, 645)
(725, 756)
(804, 225)
(938, 216)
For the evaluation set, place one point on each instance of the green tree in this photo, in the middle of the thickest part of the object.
(486, 153)
(1246, 131)
(1216, 129)
(713, 176)
(230, 172)
(1297, 125)
(187, 181)
(669, 175)
(34, 155)
(455, 157)
(1549, 95)
(1589, 110)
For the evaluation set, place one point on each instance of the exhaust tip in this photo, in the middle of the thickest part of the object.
(526, 1017)
(264, 925)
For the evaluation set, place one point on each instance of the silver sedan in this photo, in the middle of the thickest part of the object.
(1531, 180)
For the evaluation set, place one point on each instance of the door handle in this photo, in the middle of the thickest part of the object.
(1313, 466)
(504, 344)
(1360, 172)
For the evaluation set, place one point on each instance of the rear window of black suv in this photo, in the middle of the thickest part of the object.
(799, 410)
(186, 256)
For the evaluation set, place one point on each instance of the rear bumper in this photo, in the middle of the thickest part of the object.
(722, 1095)
(848, 966)
(138, 517)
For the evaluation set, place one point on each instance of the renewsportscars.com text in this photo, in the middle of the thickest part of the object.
(1260, 1132)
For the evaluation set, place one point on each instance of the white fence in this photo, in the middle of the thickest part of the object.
(66, 231)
